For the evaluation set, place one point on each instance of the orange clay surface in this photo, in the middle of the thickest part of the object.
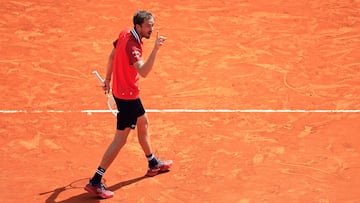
(238, 55)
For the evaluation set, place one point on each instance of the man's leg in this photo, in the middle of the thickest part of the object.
(114, 148)
(143, 135)
(95, 186)
(155, 166)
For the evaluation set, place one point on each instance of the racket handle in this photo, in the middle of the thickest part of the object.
(98, 77)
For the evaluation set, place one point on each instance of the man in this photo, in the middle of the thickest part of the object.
(125, 66)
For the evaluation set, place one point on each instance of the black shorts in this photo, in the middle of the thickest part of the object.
(129, 111)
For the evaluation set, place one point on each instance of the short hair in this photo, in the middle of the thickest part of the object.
(140, 16)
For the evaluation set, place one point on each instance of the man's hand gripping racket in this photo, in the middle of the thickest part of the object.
(110, 98)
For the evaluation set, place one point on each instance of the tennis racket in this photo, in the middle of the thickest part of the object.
(77, 184)
(110, 98)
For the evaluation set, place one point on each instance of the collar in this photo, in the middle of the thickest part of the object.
(135, 34)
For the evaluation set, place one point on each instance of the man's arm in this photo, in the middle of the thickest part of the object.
(109, 70)
(144, 68)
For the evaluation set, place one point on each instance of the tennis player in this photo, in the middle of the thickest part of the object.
(125, 66)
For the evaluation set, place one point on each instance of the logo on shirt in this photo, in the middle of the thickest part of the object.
(136, 54)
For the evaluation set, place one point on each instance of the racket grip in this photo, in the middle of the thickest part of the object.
(96, 73)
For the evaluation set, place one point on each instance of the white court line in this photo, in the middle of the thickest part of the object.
(234, 111)
(194, 111)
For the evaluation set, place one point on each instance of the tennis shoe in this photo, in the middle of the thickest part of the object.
(161, 167)
(99, 190)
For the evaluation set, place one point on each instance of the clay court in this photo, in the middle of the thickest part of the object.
(254, 101)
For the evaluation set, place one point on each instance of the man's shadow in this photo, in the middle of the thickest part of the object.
(85, 197)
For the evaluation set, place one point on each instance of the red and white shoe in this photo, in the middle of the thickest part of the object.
(99, 190)
(161, 167)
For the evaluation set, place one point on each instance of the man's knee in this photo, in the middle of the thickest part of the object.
(143, 122)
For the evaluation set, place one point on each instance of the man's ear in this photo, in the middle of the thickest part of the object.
(137, 26)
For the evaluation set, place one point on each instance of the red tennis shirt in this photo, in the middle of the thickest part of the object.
(125, 76)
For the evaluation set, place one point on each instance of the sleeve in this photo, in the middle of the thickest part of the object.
(134, 52)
